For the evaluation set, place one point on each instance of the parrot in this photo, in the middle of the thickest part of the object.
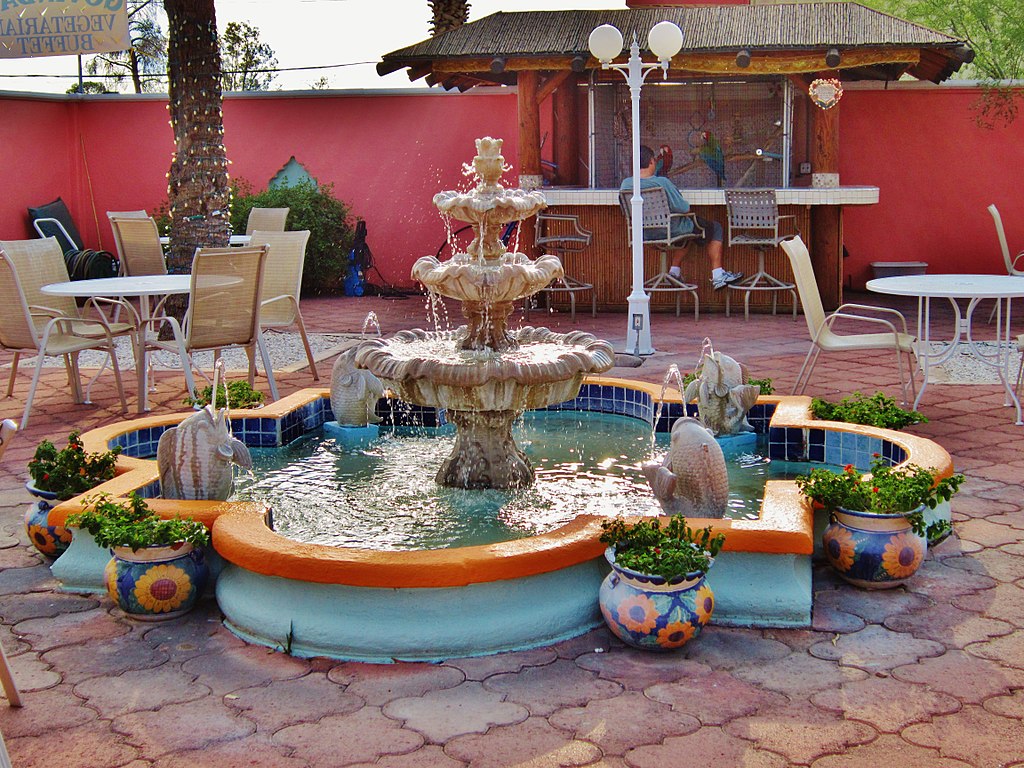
(664, 164)
(711, 153)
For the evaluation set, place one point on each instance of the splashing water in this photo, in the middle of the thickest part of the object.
(371, 323)
(672, 376)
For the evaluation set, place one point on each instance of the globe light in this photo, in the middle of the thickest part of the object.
(665, 40)
(605, 43)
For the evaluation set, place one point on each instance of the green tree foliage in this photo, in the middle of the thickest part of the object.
(145, 63)
(245, 58)
(313, 208)
(995, 31)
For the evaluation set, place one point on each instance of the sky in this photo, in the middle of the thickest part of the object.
(311, 33)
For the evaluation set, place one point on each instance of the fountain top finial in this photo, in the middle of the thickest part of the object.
(489, 163)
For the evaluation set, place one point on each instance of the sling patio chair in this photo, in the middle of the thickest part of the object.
(266, 220)
(282, 283)
(1010, 261)
(820, 325)
(223, 310)
(33, 322)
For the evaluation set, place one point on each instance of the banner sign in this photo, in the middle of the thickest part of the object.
(62, 27)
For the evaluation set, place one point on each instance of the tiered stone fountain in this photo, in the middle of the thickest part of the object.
(484, 374)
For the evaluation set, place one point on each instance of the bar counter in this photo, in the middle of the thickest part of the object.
(606, 262)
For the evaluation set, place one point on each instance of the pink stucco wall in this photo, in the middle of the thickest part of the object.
(387, 154)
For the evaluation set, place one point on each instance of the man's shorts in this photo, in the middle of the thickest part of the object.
(712, 230)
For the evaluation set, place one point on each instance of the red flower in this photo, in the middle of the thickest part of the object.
(848, 468)
(875, 489)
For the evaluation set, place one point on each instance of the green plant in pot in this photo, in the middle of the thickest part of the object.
(656, 596)
(876, 410)
(59, 474)
(878, 536)
(158, 568)
(235, 394)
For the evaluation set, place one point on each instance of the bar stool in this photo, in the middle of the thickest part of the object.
(753, 216)
(561, 234)
(657, 225)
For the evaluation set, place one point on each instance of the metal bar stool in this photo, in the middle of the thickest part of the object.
(658, 221)
(561, 234)
(754, 218)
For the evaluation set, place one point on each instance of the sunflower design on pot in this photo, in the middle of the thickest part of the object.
(638, 613)
(704, 605)
(839, 548)
(676, 634)
(902, 556)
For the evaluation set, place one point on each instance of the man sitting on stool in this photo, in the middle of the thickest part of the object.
(712, 240)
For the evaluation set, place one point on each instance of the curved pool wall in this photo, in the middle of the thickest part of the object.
(311, 599)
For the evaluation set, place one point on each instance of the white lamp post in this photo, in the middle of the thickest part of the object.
(665, 40)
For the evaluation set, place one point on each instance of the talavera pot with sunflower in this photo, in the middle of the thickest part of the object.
(158, 569)
(877, 537)
(656, 596)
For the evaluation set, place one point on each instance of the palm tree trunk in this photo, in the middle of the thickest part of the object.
(447, 14)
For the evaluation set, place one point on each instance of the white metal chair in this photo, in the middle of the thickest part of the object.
(7, 430)
(137, 239)
(223, 310)
(1010, 262)
(753, 220)
(1020, 370)
(561, 235)
(33, 322)
(820, 325)
(266, 220)
(657, 225)
(282, 283)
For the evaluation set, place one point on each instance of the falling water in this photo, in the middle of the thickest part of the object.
(672, 376)
(371, 323)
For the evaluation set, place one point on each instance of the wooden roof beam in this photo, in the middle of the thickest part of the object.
(551, 84)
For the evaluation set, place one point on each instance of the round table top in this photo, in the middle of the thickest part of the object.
(950, 286)
(136, 285)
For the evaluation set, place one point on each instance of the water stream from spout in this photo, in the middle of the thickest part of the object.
(672, 376)
(371, 323)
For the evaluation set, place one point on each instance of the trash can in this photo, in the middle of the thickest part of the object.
(895, 268)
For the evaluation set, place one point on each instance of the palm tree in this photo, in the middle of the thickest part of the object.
(448, 14)
(146, 61)
(198, 189)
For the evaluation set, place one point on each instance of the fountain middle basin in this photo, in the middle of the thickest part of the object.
(353, 603)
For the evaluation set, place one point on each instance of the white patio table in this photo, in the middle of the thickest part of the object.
(975, 289)
(235, 240)
(139, 286)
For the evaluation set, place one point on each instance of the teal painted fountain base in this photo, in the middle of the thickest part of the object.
(431, 624)
(383, 625)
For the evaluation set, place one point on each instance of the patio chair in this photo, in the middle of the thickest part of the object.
(753, 220)
(1020, 370)
(1011, 263)
(223, 310)
(562, 235)
(820, 325)
(282, 284)
(7, 430)
(31, 321)
(266, 220)
(138, 244)
(658, 220)
(54, 220)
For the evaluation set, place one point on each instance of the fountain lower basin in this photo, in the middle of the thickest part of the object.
(433, 604)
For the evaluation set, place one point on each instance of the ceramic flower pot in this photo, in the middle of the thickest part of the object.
(651, 612)
(156, 583)
(873, 551)
(51, 540)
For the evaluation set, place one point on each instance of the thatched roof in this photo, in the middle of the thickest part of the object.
(712, 37)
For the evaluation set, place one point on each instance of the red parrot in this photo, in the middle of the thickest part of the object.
(664, 157)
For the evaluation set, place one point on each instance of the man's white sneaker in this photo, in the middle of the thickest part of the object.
(727, 278)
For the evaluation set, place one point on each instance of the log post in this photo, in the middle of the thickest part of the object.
(826, 244)
(566, 128)
(529, 144)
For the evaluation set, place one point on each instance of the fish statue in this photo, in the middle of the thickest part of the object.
(195, 457)
(354, 392)
(691, 479)
(723, 395)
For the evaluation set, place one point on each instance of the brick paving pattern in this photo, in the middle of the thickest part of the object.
(929, 675)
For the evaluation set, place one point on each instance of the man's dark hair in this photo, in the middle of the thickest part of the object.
(646, 155)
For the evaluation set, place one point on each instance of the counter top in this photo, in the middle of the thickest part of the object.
(787, 196)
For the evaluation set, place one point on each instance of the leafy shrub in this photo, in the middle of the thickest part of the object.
(236, 394)
(313, 208)
(133, 524)
(675, 550)
(70, 471)
(874, 411)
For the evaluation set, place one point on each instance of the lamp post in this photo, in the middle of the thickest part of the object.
(665, 40)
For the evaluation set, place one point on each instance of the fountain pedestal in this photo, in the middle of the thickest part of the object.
(485, 454)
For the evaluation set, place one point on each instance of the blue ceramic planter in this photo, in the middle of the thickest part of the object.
(651, 612)
(873, 551)
(156, 583)
(51, 540)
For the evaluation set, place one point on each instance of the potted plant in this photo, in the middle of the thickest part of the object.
(236, 394)
(875, 411)
(878, 537)
(58, 475)
(158, 569)
(656, 596)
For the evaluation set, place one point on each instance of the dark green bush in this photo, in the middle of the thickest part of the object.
(313, 208)
(876, 410)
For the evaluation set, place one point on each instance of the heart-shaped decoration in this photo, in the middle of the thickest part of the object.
(826, 92)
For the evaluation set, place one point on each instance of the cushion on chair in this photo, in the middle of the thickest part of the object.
(59, 211)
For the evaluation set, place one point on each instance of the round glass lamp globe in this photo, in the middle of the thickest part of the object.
(665, 40)
(605, 43)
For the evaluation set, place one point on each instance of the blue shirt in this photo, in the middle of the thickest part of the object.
(676, 203)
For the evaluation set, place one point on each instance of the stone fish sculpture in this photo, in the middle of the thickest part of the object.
(691, 479)
(195, 458)
(354, 392)
(722, 394)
